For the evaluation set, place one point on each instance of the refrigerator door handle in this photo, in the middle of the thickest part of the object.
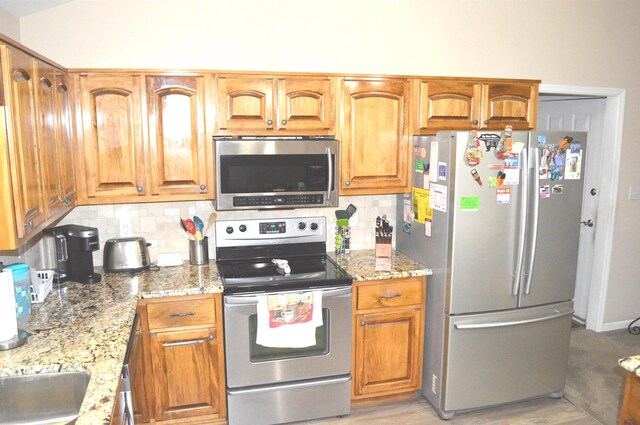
(523, 219)
(513, 322)
(535, 210)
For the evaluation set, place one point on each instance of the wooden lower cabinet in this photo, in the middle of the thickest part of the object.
(388, 338)
(630, 414)
(184, 374)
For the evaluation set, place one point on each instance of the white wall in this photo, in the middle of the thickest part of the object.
(9, 25)
(572, 42)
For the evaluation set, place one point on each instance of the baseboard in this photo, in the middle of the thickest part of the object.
(615, 326)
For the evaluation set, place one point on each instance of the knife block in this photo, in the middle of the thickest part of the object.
(383, 250)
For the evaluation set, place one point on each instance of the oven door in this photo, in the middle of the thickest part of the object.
(276, 173)
(250, 364)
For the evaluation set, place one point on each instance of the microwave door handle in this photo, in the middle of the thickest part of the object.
(330, 179)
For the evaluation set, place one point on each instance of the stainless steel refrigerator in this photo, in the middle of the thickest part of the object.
(499, 227)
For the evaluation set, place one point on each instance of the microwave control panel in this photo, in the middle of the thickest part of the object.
(266, 201)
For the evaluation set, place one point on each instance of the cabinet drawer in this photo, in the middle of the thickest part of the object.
(183, 313)
(391, 293)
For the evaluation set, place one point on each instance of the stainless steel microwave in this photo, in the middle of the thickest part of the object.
(269, 173)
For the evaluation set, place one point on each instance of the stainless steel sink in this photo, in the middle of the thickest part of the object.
(48, 398)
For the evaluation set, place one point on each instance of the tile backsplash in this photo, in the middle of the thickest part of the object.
(159, 224)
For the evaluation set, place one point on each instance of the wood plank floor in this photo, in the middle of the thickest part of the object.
(544, 411)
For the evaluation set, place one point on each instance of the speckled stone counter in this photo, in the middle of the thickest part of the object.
(632, 364)
(86, 328)
(363, 265)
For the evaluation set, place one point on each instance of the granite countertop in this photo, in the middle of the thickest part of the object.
(86, 328)
(363, 265)
(632, 364)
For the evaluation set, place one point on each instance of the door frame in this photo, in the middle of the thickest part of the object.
(610, 166)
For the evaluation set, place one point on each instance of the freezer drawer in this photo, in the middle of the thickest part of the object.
(495, 358)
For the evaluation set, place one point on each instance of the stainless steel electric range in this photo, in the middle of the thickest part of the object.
(276, 384)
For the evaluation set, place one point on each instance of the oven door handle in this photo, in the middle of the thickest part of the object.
(253, 298)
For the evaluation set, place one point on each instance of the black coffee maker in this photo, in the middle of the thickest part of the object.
(69, 250)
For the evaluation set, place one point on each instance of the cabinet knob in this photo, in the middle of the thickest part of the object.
(269, 122)
(347, 183)
(203, 187)
(475, 122)
(284, 122)
(486, 121)
(139, 189)
(28, 224)
(211, 337)
(363, 323)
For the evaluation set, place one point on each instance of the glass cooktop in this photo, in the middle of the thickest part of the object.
(262, 275)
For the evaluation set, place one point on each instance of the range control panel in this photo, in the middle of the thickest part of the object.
(270, 231)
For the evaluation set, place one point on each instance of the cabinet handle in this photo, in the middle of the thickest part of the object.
(390, 296)
(203, 187)
(284, 122)
(363, 323)
(191, 313)
(139, 189)
(53, 200)
(179, 344)
(269, 122)
(347, 183)
(29, 224)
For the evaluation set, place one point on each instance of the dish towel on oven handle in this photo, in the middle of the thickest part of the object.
(289, 320)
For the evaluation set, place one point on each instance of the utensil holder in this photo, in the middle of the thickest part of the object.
(199, 251)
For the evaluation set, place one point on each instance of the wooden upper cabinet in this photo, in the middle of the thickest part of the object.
(23, 143)
(306, 104)
(509, 103)
(445, 105)
(375, 140)
(263, 105)
(65, 139)
(50, 150)
(180, 157)
(113, 149)
(245, 103)
(457, 104)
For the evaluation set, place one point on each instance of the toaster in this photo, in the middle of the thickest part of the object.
(126, 255)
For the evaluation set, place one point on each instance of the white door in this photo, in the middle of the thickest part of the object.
(554, 114)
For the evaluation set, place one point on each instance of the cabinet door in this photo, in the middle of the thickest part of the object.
(186, 374)
(245, 103)
(306, 104)
(114, 157)
(445, 105)
(23, 142)
(514, 104)
(50, 154)
(65, 139)
(177, 138)
(375, 140)
(388, 352)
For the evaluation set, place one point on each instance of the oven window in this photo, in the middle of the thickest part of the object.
(258, 353)
(274, 173)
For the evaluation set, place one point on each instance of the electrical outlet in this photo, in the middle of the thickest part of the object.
(634, 193)
(125, 229)
(434, 383)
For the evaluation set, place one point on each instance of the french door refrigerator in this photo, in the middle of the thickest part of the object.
(496, 215)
